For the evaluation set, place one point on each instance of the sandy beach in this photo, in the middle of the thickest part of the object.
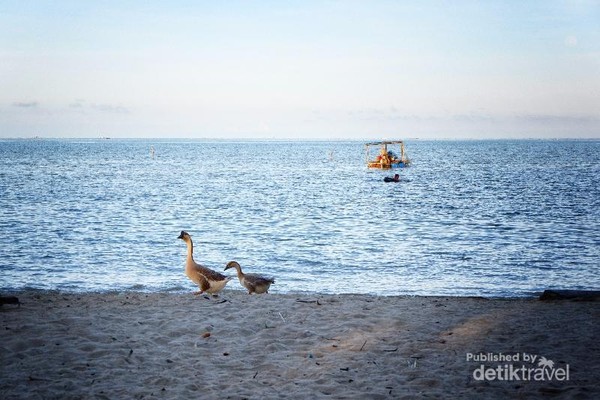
(174, 345)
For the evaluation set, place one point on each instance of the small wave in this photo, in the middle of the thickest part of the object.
(137, 287)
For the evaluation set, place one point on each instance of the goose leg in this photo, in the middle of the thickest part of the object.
(203, 285)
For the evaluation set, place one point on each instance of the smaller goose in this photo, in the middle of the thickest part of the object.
(253, 282)
(208, 280)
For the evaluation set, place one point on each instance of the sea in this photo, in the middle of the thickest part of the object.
(492, 218)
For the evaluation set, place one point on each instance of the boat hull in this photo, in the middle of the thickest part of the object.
(376, 164)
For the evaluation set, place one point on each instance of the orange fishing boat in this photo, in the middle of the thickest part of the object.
(387, 157)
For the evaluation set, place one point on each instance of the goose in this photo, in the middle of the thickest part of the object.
(208, 281)
(253, 282)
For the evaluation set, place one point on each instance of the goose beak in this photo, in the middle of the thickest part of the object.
(180, 235)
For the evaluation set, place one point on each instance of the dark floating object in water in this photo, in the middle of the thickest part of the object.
(396, 178)
(588, 295)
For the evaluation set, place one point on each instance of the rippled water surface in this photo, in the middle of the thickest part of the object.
(493, 218)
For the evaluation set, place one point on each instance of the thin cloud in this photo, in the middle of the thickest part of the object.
(388, 114)
(571, 41)
(392, 114)
(77, 104)
(549, 118)
(26, 104)
(110, 108)
(82, 106)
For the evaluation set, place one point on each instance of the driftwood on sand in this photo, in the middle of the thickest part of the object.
(9, 300)
(570, 295)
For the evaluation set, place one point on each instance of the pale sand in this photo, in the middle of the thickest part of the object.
(137, 345)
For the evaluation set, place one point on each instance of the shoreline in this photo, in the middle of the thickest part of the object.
(185, 290)
(176, 345)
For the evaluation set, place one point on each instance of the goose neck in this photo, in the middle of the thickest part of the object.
(238, 269)
(190, 249)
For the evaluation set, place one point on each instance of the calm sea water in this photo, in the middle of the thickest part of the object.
(492, 218)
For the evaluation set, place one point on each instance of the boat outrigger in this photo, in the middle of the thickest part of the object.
(387, 158)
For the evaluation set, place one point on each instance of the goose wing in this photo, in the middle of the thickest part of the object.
(202, 282)
(209, 274)
(255, 279)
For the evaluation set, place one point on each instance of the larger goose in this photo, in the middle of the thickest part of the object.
(253, 282)
(208, 281)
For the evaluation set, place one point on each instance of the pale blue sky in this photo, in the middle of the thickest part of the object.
(300, 69)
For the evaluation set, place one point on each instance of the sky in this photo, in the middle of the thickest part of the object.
(300, 69)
